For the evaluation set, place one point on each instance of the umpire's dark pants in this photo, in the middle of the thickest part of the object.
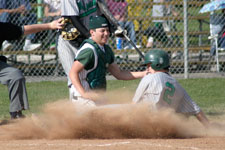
(14, 79)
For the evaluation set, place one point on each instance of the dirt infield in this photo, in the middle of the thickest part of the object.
(117, 144)
(62, 126)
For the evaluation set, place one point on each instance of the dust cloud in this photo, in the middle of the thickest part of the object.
(63, 120)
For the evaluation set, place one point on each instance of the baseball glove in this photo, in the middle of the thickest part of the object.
(69, 32)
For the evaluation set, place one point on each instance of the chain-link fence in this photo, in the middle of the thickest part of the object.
(172, 25)
(177, 27)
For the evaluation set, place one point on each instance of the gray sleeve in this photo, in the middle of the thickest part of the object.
(188, 106)
(141, 90)
(69, 8)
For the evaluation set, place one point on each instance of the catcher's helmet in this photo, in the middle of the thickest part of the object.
(158, 59)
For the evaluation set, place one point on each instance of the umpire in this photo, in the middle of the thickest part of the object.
(13, 77)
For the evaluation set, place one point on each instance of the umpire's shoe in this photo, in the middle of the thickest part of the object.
(16, 115)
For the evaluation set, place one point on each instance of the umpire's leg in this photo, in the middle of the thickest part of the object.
(14, 79)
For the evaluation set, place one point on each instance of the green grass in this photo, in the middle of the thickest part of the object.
(39, 93)
(209, 94)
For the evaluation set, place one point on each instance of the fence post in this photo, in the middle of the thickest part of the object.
(186, 75)
(39, 11)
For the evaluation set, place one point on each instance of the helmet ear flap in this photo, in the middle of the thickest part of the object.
(157, 65)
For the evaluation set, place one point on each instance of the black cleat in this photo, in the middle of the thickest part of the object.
(16, 115)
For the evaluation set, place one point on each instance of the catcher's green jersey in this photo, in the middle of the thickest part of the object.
(96, 60)
(162, 90)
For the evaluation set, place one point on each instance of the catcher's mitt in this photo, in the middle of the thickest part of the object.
(69, 32)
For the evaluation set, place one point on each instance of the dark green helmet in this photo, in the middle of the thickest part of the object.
(158, 59)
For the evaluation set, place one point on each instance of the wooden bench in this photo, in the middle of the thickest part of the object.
(177, 65)
(33, 60)
(141, 19)
(53, 67)
(200, 33)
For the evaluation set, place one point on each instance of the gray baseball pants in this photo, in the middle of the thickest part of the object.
(14, 79)
(67, 54)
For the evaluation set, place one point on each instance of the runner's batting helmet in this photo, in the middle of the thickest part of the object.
(158, 59)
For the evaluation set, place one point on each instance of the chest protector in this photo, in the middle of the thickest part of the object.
(97, 77)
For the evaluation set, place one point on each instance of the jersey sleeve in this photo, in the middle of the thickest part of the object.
(143, 85)
(87, 58)
(188, 106)
(10, 31)
(69, 8)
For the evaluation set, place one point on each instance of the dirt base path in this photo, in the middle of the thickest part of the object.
(125, 127)
(116, 144)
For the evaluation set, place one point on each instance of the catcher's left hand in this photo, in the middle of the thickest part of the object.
(69, 32)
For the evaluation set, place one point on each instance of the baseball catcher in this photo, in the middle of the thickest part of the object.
(77, 15)
(93, 60)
